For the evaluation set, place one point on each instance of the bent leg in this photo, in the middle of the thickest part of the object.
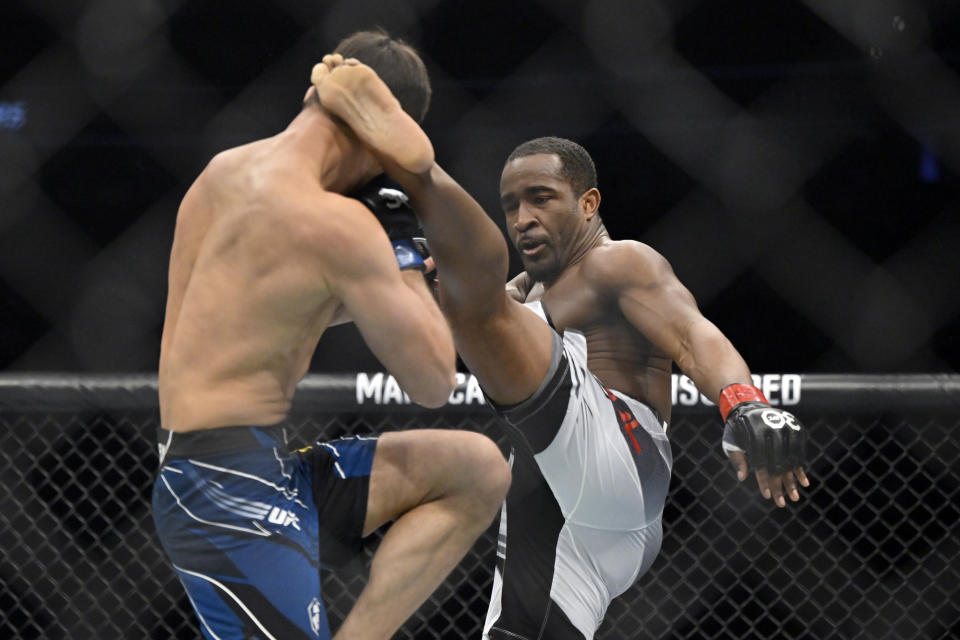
(506, 346)
(442, 489)
(354, 93)
(509, 351)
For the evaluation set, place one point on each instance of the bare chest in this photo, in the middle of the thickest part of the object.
(611, 338)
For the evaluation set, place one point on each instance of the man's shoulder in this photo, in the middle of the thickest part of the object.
(314, 209)
(229, 161)
(611, 247)
(319, 204)
(333, 228)
(614, 260)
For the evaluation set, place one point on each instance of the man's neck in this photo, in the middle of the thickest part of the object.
(590, 240)
(338, 159)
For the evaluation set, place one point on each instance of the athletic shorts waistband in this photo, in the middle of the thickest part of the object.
(218, 441)
(552, 381)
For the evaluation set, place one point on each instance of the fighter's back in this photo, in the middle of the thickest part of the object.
(247, 302)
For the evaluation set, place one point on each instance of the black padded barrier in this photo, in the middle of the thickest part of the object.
(871, 551)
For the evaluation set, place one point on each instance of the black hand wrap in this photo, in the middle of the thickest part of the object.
(771, 438)
(392, 208)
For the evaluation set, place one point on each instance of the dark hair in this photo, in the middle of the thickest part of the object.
(577, 166)
(398, 65)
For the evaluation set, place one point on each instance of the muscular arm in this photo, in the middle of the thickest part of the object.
(659, 306)
(652, 298)
(393, 310)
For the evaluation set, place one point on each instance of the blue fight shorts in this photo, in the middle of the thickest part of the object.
(247, 524)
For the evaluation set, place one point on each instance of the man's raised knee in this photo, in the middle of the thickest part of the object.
(488, 474)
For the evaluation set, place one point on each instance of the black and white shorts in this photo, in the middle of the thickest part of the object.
(582, 521)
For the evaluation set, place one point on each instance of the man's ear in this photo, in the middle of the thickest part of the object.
(590, 202)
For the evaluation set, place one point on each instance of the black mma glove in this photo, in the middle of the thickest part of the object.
(424, 250)
(771, 438)
(392, 208)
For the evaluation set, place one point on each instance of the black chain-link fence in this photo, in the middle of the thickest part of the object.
(870, 552)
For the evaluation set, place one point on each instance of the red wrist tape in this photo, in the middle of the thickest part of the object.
(733, 394)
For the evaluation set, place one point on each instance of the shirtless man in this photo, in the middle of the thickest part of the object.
(576, 358)
(267, 254)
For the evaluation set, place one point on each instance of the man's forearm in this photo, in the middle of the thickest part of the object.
(713, 362)
(415, 281)
(436, 354)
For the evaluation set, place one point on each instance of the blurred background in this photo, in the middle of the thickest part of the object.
(796, 160)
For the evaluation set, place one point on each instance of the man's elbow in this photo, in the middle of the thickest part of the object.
(436, 392)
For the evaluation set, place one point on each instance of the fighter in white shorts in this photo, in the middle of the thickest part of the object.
(591, 465)
(582, 521)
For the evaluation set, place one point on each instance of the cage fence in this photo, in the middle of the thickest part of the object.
(870, 551)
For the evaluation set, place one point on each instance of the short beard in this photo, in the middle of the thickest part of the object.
(544, 272)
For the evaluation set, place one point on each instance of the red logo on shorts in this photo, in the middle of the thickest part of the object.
(626, 419)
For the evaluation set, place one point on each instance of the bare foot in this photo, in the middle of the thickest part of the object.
(353, 92)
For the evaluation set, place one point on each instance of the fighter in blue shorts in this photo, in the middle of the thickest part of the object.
(582, 383)
(268, 253)
(248, 524)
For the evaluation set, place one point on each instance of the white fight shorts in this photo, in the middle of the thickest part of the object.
(583, 518)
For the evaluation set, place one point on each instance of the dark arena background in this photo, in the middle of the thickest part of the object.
(797, 162)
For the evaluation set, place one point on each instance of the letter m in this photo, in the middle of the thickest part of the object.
(369, 387)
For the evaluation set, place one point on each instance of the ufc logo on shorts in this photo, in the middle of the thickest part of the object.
(776, 420)
(284, 518)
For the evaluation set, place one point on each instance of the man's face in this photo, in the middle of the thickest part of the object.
(544, 217)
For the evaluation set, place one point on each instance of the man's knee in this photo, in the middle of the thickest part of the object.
(488, 472)
(419, 466)
(471, 470)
